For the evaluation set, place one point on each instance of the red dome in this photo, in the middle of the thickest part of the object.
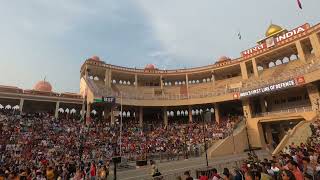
(43, 86)
(95, 58)
(150, 66)
(223, 58)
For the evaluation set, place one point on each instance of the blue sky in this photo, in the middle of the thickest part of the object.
(53, 38)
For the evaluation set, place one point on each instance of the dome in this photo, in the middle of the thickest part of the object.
(95, 58)
(43, 86)
(223, 58)
(150, 66)
(273, 29)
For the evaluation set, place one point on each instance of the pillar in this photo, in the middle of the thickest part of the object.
(190, 114)
(21, 105)
(56, 113)
(82, 110)
(136, 80)
(246, 108)
(187, 84)
(255, 68)
(262, 104)
(314, 97)
(165, 116)
(268, 134)
(213, 78)
(108, 78)
(315, 42)
(217, 112)
(244, 71)
(301, 54)
(141, 116)
(161, 82)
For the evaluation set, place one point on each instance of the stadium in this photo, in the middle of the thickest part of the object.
(263, 102)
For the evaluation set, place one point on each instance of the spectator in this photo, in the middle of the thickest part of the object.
(215, 175)
(293, 167)
(287, 175)
(187, 175)
(203, 176)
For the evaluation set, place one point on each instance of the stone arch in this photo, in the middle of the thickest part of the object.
(278, 62)
(285, 60)
(271, 64)
(293, 57)
(96, 78)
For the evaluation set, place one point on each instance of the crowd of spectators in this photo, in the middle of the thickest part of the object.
(295, 162)
(38, 146)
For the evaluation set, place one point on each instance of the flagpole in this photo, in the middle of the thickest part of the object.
(121, 123)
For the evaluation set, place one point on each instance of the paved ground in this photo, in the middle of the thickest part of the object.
(172, 169)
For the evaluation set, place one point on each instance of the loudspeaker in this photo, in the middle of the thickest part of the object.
(116, 159)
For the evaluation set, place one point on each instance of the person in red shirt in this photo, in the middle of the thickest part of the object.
(93, 171)
(203, 176)
(293, 167)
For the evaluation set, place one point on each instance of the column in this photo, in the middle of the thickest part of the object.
(161, 82)
(244, 71)
(255, 68)
(108, 78)
(301, 54)
(213, 78)
(187, 83)
(217, 112)
(314, 97)
(141, 116)
(246, 108)
(165, 116)
(190, 114)
(315, 42)
(56, 113)
(136, 80)
(21, 105)
(268, 134)
(262, 104)
(83, 108)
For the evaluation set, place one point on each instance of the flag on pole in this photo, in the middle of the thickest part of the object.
(299, 4)
(239, 35)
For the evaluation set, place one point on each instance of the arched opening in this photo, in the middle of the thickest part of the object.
(271, 64)
(293, 57)
(285, 60)
(278, 62)
(260, 68)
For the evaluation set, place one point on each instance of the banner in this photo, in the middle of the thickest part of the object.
(273, 41)
(274, 87)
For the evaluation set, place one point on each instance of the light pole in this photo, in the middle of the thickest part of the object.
(204, 136)
(121, 114)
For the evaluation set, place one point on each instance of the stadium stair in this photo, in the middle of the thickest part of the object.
(232, 144)
(299, 134)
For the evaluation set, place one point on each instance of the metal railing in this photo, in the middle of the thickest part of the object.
(289, 110)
